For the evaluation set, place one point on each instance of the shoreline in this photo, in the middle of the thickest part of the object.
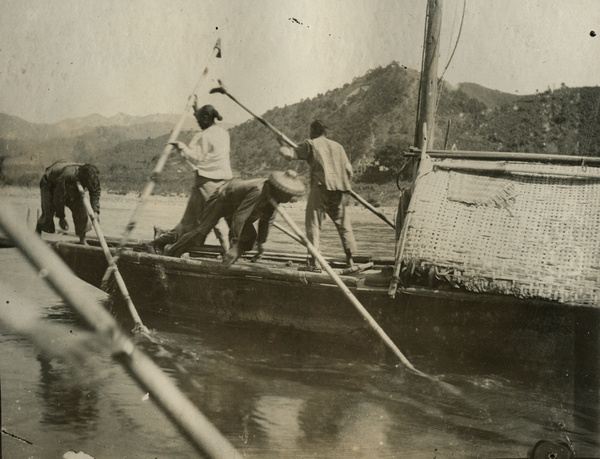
(164, 212)
(14, 191)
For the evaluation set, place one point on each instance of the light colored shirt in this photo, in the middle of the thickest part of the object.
(209, 149)
(328, 162)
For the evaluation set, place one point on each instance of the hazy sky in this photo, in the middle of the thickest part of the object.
(70, 58)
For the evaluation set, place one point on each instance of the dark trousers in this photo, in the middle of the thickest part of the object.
(200, 193)
(46, 221)
(323, 202)
(78, 211)
(216, 210)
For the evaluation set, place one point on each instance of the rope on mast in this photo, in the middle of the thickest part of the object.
(441, 79)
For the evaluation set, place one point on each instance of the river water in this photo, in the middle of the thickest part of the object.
(272, 393)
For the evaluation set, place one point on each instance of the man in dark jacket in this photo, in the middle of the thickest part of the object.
(58, 188)
(241, 203)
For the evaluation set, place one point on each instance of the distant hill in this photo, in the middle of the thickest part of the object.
(373, 117)
(490, 97)
(365, 115)
(26, 149)
(13, 127)
(565, 121)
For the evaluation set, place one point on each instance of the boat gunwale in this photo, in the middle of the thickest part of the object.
(213, 268)
(207, 266)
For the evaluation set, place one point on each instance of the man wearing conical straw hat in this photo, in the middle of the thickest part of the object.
(241, 203)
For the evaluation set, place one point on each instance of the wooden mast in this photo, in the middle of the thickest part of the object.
(428, 90)
(429, 77)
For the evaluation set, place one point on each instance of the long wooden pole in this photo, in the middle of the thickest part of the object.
(346, 291)
(400, 243)
(507, 156)
(425, 125)
(162, 160)
(288, 232)
(183, 413)
(357, 304)
(139, 326)
(513, 169)
(429, 77)
(278, 133)
(371, 208)
(223, 90)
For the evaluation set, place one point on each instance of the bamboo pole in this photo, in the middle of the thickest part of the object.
(505, 155)
(447, 133)
(371, 208)
(205, 437)
(355, 269)
(222, 90)
(139, 326)
(400, 243)
(288, 232)
(162, 160)
(350, 296)
(512, 169)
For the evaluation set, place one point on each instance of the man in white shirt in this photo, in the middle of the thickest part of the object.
(208, 152)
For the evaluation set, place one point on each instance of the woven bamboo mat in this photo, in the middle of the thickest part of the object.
(527, 235)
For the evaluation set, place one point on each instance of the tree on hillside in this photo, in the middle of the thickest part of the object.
(589, 115)
(387, 163)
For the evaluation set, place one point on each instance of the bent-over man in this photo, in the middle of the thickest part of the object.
(58, 188)
(241, 203)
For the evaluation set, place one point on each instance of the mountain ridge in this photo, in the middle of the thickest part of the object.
(373, 117)
(14, 127)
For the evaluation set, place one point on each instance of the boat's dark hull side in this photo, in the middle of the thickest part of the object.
(445, 331)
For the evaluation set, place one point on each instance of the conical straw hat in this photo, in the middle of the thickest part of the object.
(288, 182)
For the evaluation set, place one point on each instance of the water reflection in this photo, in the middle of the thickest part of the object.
(277, 418)
(367, 427)
(346, 425)
(68, 398)
(326, 423)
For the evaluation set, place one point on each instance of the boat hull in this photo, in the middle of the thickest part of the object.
(446, 329)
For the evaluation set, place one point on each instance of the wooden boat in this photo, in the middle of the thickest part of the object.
(496, 261)
(530, 294)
